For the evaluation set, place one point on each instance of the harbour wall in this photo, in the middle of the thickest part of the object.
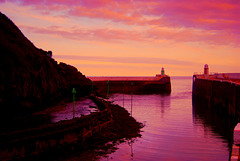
(137, 86)
(232, 76)
(18, 144)
(222, 94)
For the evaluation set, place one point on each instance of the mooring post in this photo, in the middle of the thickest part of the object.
(131, 97)
(235, 155)
(74, 92)
(92, 85)
(107, 91)
(123, 93)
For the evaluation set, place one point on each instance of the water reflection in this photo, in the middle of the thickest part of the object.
(176, 129)
(211, 120)
(142, 105)
(83, 106)
(130, 143)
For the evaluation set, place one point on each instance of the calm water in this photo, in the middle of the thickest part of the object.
(83, 106)
(175, 129)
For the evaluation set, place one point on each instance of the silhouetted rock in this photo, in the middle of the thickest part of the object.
(29, 78)
(75, 79)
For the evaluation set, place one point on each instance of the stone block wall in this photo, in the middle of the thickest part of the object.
(18, 144)
(222, 94)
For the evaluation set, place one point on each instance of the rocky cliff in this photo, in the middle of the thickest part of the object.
(29, 78)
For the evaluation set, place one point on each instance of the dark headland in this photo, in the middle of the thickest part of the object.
(31, 80)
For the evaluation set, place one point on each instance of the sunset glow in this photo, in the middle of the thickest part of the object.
(133, 37)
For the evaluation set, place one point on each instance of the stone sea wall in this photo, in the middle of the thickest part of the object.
(135, 86)
(19, 144)
(221, 94)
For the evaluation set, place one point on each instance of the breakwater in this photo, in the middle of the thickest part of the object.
(137, 85)
(220, 93)
(18, 144)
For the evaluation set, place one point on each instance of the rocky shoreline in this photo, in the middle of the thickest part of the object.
(123, 128)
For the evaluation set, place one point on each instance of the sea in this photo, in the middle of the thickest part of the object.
(175, 128)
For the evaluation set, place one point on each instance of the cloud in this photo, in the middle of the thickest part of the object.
(82, 34)
(107, 66)
(183, 13)
(127, 60)
(153, 35)
(186, 13)
(106, 14)
(213, 20)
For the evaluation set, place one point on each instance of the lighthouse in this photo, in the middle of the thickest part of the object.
(162, 71)
(206, 70)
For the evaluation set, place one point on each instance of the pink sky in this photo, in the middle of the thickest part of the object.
(133, 37)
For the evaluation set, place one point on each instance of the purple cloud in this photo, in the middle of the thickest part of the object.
(215, 20)
(127, 60)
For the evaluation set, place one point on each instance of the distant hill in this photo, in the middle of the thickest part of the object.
(29, 78)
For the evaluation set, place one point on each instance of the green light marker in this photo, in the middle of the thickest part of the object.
(74, 92)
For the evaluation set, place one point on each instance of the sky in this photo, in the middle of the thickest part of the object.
(133, 37)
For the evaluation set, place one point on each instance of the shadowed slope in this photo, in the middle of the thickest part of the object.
(29, 77)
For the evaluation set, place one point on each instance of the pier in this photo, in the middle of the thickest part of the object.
(221, 91)
(138, 85)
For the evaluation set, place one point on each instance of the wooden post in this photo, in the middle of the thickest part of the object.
(123, 93)
(131, 97)
(107, 91)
